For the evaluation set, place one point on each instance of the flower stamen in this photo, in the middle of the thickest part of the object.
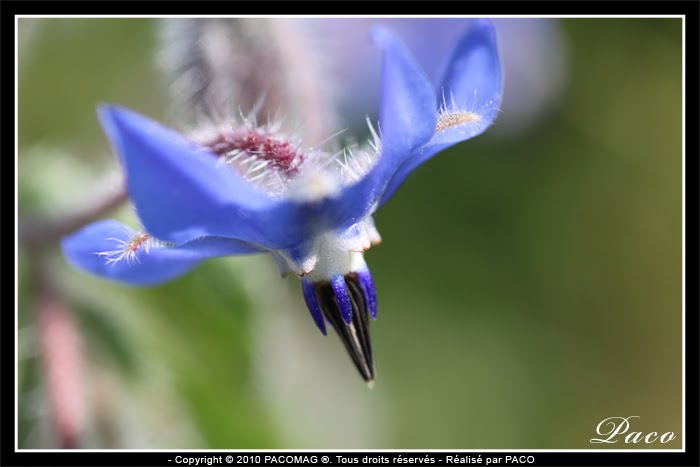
(448, 119)
(128, 249)
(260, 146)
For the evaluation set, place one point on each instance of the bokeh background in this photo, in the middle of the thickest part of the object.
(529, 280)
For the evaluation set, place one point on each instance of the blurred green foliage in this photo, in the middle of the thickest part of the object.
(529, 286)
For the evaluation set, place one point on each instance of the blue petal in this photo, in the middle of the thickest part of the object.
(407, 121)
(88, 250)
(180, 193)
(408, 108)
(472, 85)
(473, 79)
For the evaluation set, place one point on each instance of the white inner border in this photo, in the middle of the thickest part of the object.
(213, 452)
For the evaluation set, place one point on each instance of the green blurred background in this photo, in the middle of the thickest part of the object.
(529, 284)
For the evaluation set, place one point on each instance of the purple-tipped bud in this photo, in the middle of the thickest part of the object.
(367, 284)
(344, 302)
(309, 290)
(342, 298)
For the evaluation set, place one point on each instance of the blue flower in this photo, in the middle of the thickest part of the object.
(246, 189)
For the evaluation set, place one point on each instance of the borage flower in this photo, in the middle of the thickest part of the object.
(247, 189)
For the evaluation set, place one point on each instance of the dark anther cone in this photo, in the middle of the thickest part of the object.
(355, 335)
